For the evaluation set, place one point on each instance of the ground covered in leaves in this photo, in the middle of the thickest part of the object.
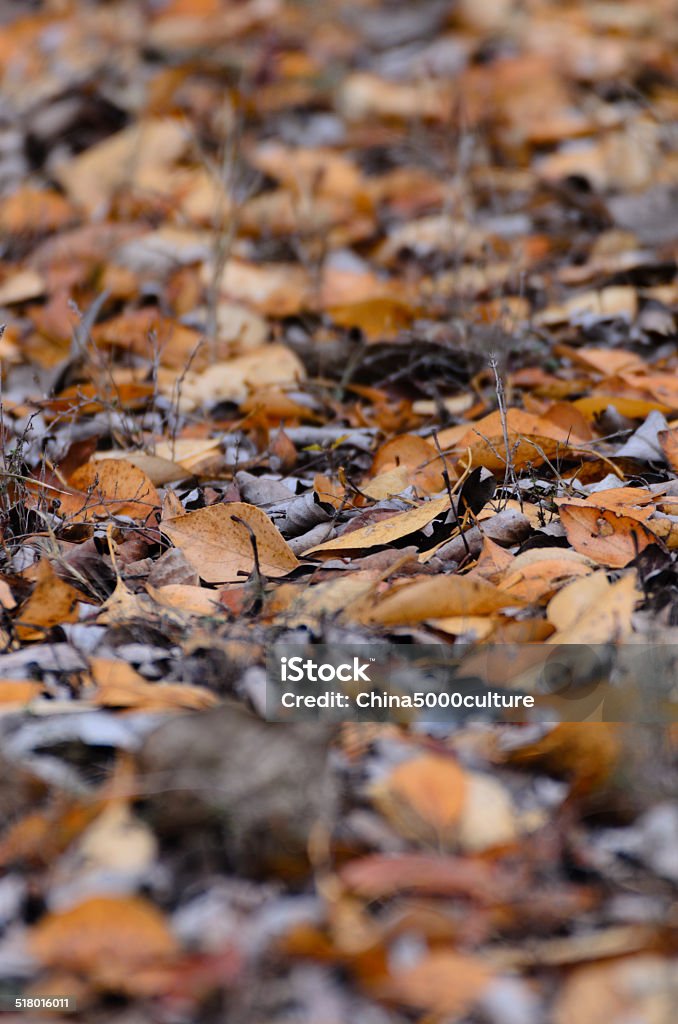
(343, 322)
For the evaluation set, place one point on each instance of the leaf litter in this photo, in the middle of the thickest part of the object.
(346, 323)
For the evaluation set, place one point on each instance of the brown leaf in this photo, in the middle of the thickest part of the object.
(379, 876)
(584, 752)
(220, 549)
(423, 798)
(608, 537)
(104, 937)
(638, 988)
(112, 487)
(668, 439)
(593, 611)
(442, 982)
(51, 603)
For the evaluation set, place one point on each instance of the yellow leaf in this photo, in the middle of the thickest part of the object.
(436, 597)
(385, 531)
(604, 611)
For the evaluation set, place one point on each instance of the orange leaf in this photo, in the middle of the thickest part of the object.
(532, 439)
(416, 454)
(119, 685)
(434, 597)
(220, 549)
(105, 937)
(423, 798)
(443, 982)
(606, 536)
(51, 603)
(114, 488)
(538, 581)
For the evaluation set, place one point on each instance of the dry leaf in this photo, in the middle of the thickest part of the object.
(531, 440)
(16, 692)
(416, 455)
(442, 983)
(385, 531)
(585, 752)
(118, 685)
(607, 537)
(332, 599)
(104, 937)
(51, 603)
(135, 155)
(183, 597)
(539, 580)
(668, 440)
(21, 287)
(423, 798)
(488, 817)
(111, 487)
(220, 549)
(234, 379)
(640, 988)
(436, 597)
(604, 612)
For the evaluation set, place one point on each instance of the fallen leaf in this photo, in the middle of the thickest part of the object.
(604, 612)
(586, 753)
(134, 155)
(531, 440)
(111, 487)
(379, 876)
(385, 531)
(607, 537)
(436, 597)
(488, 817)
(105, 938)
(51, 603)
(538, 581)
(423, 798)
(220, 549)
(16, 692)
(118, 685)
(636, 988)
(233, 380)
(185, 598)
(668, 440)
(417, 455)
(442, 983)
(21, 286)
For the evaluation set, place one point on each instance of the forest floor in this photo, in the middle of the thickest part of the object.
(344, 323)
